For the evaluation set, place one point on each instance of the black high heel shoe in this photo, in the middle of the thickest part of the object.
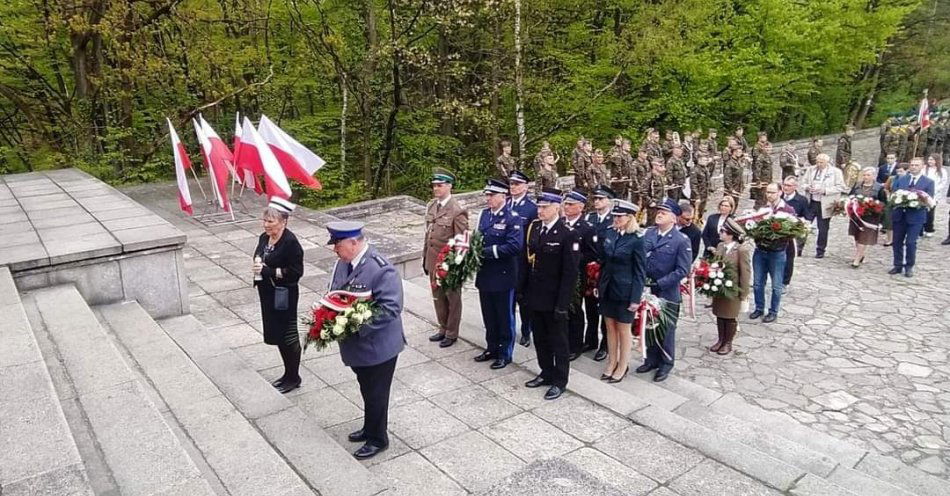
(604, 377)
(614, 380)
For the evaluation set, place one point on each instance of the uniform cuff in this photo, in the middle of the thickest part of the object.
(494, 250)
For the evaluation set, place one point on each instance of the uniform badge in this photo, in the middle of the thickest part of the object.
(517, 227)
(499, 225)
(576, 246)
(595, 238)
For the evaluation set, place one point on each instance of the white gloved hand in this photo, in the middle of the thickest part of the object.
(744, 306)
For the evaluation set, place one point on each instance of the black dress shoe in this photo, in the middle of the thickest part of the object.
(770, 318)
(946, 241)
(288, 386)
(356, 436)
(573, 356)
(894, 270)
(755, 314)
(484, 357)
(643, 369)
(277, 382)
(908, 272)
(525, 340)
(661, 375)
(600, 356)
(499, 363)
(614, 380)
(368, 451)
(588, 347)
(554, 392)
(820, 255)
(445, 343)
(537, 382)
(437, 337)
(604, 377)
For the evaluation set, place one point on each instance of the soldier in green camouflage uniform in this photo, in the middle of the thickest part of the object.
(732, 174)
(539, 158)
(740, 140)
(676, 173)
(788, 161)
(905, 144)
(843, 153)
(654, 191)
(641, 171)
(891, 143)
(699, 188)
(505, 164)
(623, 174)
(615, 155)
(666, 144)
(597, 173)
(652, 145)
(761, 169)
(582, 160)
(547, 177)
(814, 150)
(934, 137)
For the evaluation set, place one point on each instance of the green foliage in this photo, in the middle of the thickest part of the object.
(88, 83)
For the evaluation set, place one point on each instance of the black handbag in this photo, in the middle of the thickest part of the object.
(281, 297)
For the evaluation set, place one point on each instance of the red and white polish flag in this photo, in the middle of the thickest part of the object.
(256, 156)
(298, 161)
(182, 162)
(217, 158)
(923, 114)
(249, 179)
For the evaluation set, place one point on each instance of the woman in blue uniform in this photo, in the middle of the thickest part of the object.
(622, 275)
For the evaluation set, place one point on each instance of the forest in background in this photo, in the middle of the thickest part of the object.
(384, 90)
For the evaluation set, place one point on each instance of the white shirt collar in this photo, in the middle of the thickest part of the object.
(496, 212)
(442, 203)
(572, 222)
(518, 199)
(664, 233)
(549, 225)
(359, 256)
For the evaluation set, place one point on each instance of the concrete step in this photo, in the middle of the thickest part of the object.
(864, 484)
(138, 448)
(312, 453)
(812, 485)
(39, 452)
(760, 439)
(760, 466)
(893, 471)
(239, 458)
(778, 423)
(644, 391)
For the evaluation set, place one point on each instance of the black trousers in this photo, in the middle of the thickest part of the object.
(814, 212)
(575, 330)
(525, 316)
(593, 321)
(375, 383)
(498, 315)
(791, 250)
(929, 225)
(550, 342)
(290, 355)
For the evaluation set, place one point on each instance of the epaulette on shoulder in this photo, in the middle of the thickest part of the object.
(380, 260)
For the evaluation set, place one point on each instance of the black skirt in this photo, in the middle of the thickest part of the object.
(280, 326)
(617, 310)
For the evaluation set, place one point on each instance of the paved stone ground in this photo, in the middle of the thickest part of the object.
(858, 354)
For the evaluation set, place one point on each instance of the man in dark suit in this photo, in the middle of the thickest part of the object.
(799, 204)
(496, 279)
(686, 226)
(888, 168)
(909, 222)
(573, 208)
(601, 220)
(373, 352)
(527, 211)
(552, 255)
(668, 261)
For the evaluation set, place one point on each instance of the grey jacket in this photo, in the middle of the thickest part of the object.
(383, 337)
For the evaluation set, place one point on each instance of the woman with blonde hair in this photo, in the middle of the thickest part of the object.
(622, 277)
(863, 235)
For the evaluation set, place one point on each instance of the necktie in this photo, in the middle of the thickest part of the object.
(913, 182)
(349, 269)
(544, 230)
(438, 206)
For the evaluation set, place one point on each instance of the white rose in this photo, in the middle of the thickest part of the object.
(728, 284)
(338, 329)
(358, 318)
(717, 282)
(339, 320)
(715, 288)
(445, 266)
(914, 203)
(347, 310)
(366, 315)
(706, 287)
(749, 224)
(452, 242)
(720, 274)
(459, 258)
(715, 265)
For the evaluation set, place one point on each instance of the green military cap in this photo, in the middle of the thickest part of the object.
(442, 176)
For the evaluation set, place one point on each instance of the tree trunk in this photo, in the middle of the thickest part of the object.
(366, 106)
(866, 106)
(494, 77)
(342, 126)
(519, 86)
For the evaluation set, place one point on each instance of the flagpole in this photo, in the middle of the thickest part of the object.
(200, 188)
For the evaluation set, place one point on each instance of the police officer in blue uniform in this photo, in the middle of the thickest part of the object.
(527, 210)
(573, 208)
(601, 219)
(668, 259)
(371, 353)
(551, 259)
(497, 278)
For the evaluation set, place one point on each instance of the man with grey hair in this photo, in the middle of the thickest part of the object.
(823, 186)
(372, 352)
(800, 204)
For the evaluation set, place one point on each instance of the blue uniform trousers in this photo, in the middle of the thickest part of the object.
(662, 355)
(905, 235)
(498, 314)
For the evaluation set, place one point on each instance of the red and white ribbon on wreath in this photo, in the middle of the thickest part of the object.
(340, 300)
(646, 311)
(688, 290)
(462, 242)
(858, 221)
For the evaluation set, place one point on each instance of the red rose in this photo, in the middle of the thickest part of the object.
(776, 226)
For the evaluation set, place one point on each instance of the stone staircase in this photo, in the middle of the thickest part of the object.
(104, 400)
(770, 447)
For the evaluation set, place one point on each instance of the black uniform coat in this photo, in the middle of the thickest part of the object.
(552, 264)
(623, 268)
(280, 327)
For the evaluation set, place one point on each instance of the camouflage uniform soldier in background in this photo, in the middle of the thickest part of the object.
(667, 144)
(597, 173)
(547, 177)
(654, 191)
(843, 153)
(699, 188)
(731, 144)
(582, 165)
(891, 143)
(577, 159)
(505, 164)
(761, 169)
(615, 155)
(814, 150)
(623, 174)
(652, 145)
(905, 143)
(676, 173)
(709, 146)
(732, 170)
(641, 171)
(740, 140)
(539, 158)
(935, 137)
(788, 161)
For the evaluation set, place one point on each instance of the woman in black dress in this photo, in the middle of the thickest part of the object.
(278, 265)
(622, 276)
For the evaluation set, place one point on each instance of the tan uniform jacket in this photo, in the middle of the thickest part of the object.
(442, 224)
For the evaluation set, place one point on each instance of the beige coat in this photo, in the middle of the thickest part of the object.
(741, 258)
(830, 181)
(450, 220)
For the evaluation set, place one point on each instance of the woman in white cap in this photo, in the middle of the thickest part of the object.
(278, 265)
(622, 277)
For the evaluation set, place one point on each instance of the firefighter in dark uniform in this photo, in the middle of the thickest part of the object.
(551, 255)
(526, 209)
(496, 279)
(668, 259)
(573, 209)
(601, 220)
